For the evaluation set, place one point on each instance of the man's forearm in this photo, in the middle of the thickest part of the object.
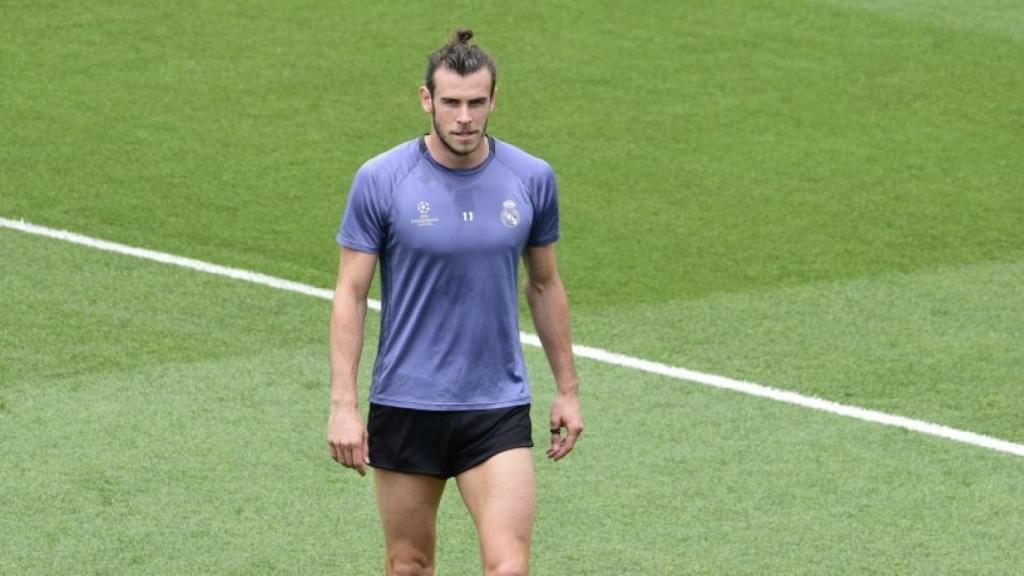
(346, 344)
(549, 308)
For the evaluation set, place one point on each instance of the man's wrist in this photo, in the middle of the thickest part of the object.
(568, 387)
(343, 403)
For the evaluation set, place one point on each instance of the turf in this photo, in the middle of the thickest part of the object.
(942, 345)
(819, 195)
(214, 461)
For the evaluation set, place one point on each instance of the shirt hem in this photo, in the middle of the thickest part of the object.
(544, 241)
(450, 407)
(357, 246)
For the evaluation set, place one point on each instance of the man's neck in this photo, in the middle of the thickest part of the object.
(445, 157)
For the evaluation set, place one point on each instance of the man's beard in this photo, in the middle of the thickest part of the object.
(444, 139)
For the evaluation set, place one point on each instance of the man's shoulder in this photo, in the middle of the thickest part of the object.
(522, 163)
(395, 163)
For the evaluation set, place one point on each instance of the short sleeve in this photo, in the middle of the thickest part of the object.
(544, 229)
(364, 224)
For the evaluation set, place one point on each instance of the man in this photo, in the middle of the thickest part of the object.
(449, 215)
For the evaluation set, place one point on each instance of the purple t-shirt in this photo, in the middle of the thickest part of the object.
(449, 243)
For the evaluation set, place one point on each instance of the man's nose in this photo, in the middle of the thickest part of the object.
(463, 117)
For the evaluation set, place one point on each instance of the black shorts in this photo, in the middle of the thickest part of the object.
(440, 443)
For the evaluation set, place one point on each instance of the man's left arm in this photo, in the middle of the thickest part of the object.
(549, 308)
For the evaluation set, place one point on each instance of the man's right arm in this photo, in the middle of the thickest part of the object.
(346, 434)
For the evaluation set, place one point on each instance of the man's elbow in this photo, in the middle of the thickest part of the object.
(531, 292)
(350, 295)
(538, 287)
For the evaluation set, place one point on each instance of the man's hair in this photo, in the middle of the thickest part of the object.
(459, 56)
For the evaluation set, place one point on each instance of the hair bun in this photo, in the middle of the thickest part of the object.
(461, 36)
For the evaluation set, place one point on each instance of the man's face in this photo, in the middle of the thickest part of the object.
(459, 109)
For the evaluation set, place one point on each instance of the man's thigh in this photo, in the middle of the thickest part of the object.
(500, 495)
(408, 506)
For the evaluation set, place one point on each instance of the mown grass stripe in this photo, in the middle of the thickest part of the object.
(597, 354)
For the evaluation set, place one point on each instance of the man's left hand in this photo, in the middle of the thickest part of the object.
(565, 416)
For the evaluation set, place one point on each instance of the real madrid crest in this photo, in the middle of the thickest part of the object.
(509, 214)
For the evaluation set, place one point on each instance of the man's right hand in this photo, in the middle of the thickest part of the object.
(346, 439)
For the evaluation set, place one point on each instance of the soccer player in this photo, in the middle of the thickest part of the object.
(448, 216)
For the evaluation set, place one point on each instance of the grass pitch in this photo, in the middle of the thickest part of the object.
(821, 196)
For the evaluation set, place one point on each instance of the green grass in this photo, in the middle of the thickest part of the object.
(942, 345)
(194, 442)
(820, 195)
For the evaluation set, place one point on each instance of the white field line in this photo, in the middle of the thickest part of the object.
(597, 354)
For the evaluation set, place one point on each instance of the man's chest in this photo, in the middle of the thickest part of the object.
(438, 217)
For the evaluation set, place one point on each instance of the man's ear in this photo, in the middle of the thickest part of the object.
(426, 100)
(494, 97)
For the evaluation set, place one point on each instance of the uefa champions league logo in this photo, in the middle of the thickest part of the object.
(509, 214)
(424, 219)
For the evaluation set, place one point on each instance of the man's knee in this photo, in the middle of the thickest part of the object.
(409, 564)
(411, 570)
(506, 568)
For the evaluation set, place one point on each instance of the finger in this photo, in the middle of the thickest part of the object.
(556, 439)
(357, 460)
(336, 453)
(568, 443)
(346, 457)
(366, 449)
